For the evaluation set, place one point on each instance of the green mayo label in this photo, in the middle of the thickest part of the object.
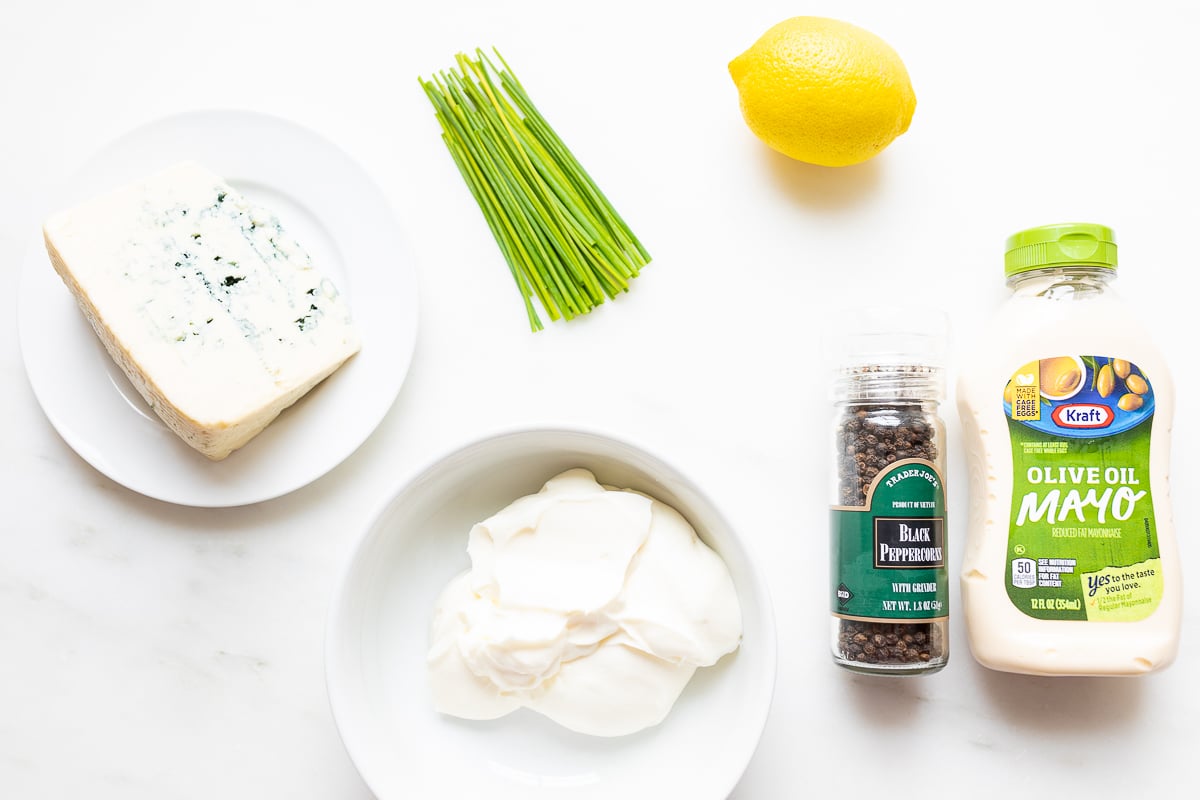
(1082, 542)
(889, 557)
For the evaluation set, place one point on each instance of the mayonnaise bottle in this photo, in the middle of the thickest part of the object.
(1070, 566)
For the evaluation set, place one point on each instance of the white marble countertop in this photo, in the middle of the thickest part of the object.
(153, 651)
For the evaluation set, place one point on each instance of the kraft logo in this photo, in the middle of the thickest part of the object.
(1083, 415)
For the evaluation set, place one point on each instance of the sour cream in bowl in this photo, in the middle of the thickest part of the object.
(423, 633)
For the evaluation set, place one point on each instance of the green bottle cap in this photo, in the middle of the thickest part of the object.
(1067, 244)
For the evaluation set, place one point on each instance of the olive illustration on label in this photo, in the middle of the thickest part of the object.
(1130, 402)
(1121, 368)
(1105, 380)
(1136, 384)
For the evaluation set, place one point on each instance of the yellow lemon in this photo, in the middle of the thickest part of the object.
(824, 91)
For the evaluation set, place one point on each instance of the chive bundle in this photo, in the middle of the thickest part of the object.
(563, 240)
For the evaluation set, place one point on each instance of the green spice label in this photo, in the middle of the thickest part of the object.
(888, 557)
(1082, 542)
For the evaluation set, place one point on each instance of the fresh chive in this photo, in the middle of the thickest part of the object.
(563, 241)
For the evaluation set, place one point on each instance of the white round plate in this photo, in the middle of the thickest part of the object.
(340, 216)
(378, 638)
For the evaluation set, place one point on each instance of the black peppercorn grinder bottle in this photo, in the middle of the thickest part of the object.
(888, 547)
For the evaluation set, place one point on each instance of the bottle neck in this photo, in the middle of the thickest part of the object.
(888, 384)
(1065, 279)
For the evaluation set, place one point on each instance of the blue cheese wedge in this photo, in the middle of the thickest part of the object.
(214, 312)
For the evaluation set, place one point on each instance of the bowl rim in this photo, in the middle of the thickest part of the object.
(758, 588)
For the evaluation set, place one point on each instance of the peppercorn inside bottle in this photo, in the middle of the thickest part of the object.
(888, 521)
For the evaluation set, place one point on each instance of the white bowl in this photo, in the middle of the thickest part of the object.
(378, 637)
(1081, 369)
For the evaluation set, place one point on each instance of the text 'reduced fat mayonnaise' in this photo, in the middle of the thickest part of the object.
(592, 606)
(1071, 565)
